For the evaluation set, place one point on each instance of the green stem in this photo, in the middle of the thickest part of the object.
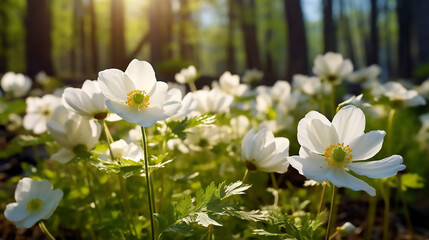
(245, 175)
(148, 184)
(404, 205)
(108, 136)
(331, 212)
(274, 181)
(390, 131)
(332, 101)
(386, 198)
(322, 99)
(192, 86)
(322, 197)
(211, 234)
(45, 230)
(372, 202)
(126, 200)
(91, 191)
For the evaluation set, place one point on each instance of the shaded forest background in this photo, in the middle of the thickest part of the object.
(74, 39)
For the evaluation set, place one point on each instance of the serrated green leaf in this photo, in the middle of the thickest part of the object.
(236, 188)
(204, 220)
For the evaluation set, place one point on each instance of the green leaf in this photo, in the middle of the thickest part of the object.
(236, 188)
(205, 220)
(412, 180)
(179, 127)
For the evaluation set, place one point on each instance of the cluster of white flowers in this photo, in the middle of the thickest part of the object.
(329, 151)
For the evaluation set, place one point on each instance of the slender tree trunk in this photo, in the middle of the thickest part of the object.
(118, 50)
(3, 39)
(372, 55)
(94, 43)
(329, 31)
(297, 52)
(248, 26)
(422, 27)
(186, 49)
(38, 37)
(230, 63)
(404, 45)
(160, 36)
(389, 49)
(82, 39)
(347, 32)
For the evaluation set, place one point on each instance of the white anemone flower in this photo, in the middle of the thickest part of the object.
(35, 200)
(230, 84)
(263, 152)
(73, 133)
(310, 85)
(87, 101)
(364, 75)
(399, 96)
(332, 68)
(186, 75)
(122, 149)
(188, 105)
(213, 101)
(39, 111)
(330, 150)
(136, 95)
(16, 84)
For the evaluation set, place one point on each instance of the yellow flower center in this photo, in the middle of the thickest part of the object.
(137, 98)
(338, 155)
(34, 204)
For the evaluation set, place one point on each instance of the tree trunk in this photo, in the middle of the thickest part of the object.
(94, 43)
(372, 55)
(404, 45)
(347, 32)
(38, 38)
(297, 52)
(3, 39)
(329, 31)
(186, 49)
(160, 36)
(422, 27)
(118, 50)
(82, 39)
(248, 26)
(230, 63)
(388, 43)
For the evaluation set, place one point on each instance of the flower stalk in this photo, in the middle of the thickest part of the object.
(45, 230)
(148, 182)
(331, 212)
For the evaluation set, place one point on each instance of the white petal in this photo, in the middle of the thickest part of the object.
(316, 133)
(16, 211)
(131, 115)
(151, 116)
(314, 167)
(63, 156)
(115, 85)
(142, 75)
(245, 143)
(367, 145)
(76, 100)
(52, 203)
(349, 123)
(383, 168)
(159, 95)
(340, 178)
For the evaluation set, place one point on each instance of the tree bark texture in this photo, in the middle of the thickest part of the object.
(297, 39)
(38, 38)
